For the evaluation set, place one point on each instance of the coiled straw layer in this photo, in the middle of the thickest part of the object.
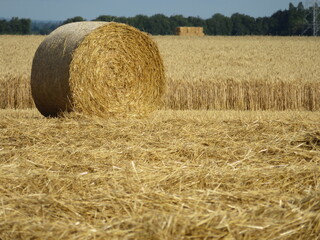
(97, 68)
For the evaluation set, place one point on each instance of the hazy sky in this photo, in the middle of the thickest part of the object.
(90, 9)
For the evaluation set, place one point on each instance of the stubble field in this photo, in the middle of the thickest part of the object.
(198, 168)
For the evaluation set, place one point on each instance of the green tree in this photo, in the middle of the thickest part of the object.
(44, 28)
(105, 18)
(218, 24)
(4, 28)
(74, 19)
(262, 26)
(242, 24)
(15, 26)
(122, 20)
(195, 22)
(141, 22)
(160, 25)
(279, 23)
(296, 19)
(25, 26)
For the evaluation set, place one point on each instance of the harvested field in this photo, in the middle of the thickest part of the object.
(202, 174)
(177, 175)
(242, 73)
(214, 73)
(16, 54)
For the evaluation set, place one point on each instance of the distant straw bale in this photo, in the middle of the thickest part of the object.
(97, 68)
(189, 31)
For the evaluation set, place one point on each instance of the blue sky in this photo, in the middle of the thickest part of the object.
(90, 9)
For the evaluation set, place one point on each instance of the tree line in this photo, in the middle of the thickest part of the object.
(15, 26)
(293, 21)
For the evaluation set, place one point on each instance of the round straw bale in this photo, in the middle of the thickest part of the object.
(97, 68)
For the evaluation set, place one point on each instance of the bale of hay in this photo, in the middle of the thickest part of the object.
(97, 68)
(189, 31)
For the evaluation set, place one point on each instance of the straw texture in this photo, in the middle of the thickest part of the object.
(189, 31)
(97, 68)
(176, 175)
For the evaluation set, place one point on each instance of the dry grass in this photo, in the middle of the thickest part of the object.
(218, 59)
(243, 95)
(245, 73)
(16, 54)
(242, 73)
(15, 92)
(177, 175)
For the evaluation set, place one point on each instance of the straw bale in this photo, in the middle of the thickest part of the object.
(97, 68)
(189, 31)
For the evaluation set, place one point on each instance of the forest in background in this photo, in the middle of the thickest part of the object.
(290, 22)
